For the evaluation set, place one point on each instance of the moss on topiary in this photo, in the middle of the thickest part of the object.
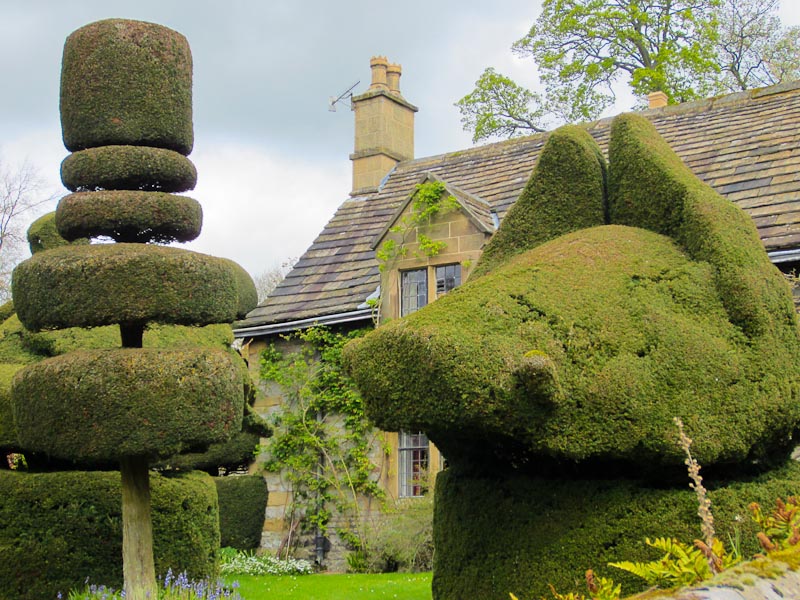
(242, 505)
(494, 536)
(588, 345)
(634, 334)
(57, 529)
(129, 216)
(8, 433)
(650, 187)
(103, 284)
(43, 235)
(566, 192)
(127, 402)
(126, 83)
(128, 168)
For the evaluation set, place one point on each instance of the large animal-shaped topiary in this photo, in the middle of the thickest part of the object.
(611, 300)
(126, 115)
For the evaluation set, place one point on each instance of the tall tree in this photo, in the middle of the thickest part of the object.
(21, 193)
(687, 49)
(754, 48)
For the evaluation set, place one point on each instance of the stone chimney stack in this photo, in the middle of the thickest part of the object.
(657, 100)
(384, 127)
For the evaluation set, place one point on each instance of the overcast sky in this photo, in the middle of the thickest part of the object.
(272, 160)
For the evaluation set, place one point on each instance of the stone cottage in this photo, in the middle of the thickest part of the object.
(745, 145)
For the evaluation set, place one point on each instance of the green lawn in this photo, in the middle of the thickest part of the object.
(398, 586)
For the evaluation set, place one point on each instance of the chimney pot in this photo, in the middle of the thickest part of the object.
(657, 100)
(378, 64)
(393, 72)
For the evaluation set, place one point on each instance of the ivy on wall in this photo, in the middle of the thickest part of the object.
(429, 200)
(322, 442)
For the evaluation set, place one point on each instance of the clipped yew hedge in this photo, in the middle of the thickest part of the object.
(126, 83)
(128, 402)
(566, 192)
(629, 333)
(129, 216)
(242, 506)
(236, 453)
(128, 168)
(518, 534)
(43, 235)
(650, 187)
(57, 529)
(246, 289)
(104, 284)
(8, 433)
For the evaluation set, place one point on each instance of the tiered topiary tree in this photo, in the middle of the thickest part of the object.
(126, 115)
(600, 311)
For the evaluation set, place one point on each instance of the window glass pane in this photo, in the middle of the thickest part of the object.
(414, 291)
(448, 277)
(413, 464)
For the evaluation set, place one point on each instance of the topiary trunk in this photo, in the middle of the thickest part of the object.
(137, 531)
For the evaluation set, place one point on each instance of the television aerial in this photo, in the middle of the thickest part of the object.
(348, 93)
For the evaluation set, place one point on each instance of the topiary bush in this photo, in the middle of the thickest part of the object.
(96, 285)
(518, 534)
(8, 432)
(127, 83)
(567, 362)
(122, 168)
(43, 235)
(242, 507)
(148, 102)
(129, 216)
(566, 192)
(208, 399)
(57, 529)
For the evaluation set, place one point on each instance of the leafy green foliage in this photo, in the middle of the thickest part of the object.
(781, 528)
(600, 588)
(128, 168)
(688, 49)
(148, 103)
(323, 441)
(681, 564)
(429, 200)
(400, 538)
(499, 107)
(534, 530)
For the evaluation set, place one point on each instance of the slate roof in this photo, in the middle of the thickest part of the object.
(745, 145)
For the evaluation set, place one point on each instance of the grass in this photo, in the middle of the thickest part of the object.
(397, 586)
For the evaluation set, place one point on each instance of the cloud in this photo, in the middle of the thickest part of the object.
(260, 208)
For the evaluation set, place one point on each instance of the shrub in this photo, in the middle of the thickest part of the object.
(238, 562)
(128, 168)
(56, 529)
(497, 535)
(242, 505)
(129, 216)
(148, 103)
(402, 539)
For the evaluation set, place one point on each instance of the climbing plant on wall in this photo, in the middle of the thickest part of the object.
(322, 442)
(429, 200)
